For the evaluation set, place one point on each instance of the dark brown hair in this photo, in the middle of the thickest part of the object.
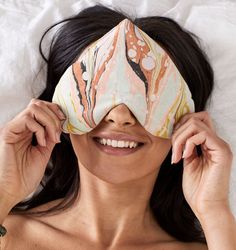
(61, 179)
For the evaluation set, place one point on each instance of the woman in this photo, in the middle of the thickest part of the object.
(96, 196)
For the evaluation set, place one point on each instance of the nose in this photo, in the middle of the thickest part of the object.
(121, 116)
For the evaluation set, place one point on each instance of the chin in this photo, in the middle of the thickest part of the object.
(116, 173)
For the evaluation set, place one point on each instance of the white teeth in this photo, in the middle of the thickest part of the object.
(114, 143)
(121, 144)
(108, 142)
(118, 144)
(131, 144)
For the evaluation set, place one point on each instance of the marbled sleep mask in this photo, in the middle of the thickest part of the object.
(125, 66)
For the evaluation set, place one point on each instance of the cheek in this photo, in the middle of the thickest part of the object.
(90, 159)
(158, 153)
(81, 148)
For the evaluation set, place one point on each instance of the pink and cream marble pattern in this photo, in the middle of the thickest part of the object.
(124, 66)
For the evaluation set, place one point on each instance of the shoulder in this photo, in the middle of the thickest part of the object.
(17, 231)
(193, 246)
(199, 246)
(24, 229)
(179, 245)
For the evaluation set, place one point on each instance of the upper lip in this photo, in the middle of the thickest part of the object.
(118, 137)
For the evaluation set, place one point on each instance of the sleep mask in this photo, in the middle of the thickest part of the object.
(125, 66)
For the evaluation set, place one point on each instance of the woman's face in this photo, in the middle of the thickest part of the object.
(122, 161)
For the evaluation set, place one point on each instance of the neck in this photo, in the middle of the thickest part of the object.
(111, 214)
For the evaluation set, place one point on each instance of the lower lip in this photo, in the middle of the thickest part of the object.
(116, 151)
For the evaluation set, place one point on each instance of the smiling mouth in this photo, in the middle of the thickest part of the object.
(117, 147)
(118, 143)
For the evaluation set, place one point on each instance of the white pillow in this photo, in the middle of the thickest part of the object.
(22, 25)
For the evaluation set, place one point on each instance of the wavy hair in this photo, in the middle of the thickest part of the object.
(61, 178)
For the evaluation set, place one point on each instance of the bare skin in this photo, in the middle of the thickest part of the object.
(27, 233)
(112, 210)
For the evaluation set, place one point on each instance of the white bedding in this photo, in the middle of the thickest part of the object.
(22, 23)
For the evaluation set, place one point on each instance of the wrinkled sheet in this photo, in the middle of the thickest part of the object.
(22, 72)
